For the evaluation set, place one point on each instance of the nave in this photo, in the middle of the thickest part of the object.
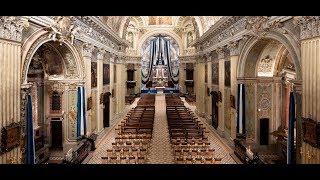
(160, 149)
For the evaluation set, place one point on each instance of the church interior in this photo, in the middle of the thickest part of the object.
(160, 89)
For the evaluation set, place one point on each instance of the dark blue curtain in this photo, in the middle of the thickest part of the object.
(292, 115)
(30, 137)
(79, 113)
(84, 112)
(238, 109)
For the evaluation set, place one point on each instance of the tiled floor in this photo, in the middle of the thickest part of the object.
(160, 151)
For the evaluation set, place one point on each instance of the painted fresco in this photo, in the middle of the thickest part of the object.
(72, 114)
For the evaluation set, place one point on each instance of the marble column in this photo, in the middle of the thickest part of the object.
(234, 57)
(10, 78)
(87, 56)
(200, 87)
(137, 78)
(209, 85)
(310, 62)
(182, 77)
(221, 58)
(112, 89)
(99, 113)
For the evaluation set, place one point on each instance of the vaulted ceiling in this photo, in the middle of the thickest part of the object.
(120, 23)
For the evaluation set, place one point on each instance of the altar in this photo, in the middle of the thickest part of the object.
(160, 89)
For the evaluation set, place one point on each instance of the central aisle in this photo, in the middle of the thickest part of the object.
(160, 149)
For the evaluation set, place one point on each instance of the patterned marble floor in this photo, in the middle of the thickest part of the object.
(160, 149)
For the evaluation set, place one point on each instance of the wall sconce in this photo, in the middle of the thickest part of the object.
(259, 109)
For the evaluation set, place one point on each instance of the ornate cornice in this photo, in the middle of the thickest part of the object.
(309, 26)
(259, 26)
(11, 27)
(222, 25)
(87, 50)
(230, 29)
(96, 23)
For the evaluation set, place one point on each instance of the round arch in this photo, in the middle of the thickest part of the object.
(154, 32)
(288, 41)
(33, 43)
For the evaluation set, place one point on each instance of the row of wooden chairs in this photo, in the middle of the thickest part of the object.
(188, 135)
(198, 160)
(132, 147)
(123, 160)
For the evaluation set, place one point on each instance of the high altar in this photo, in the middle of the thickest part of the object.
(161, 71)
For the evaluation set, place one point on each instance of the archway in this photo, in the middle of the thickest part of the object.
(267, 67)
(52, 71)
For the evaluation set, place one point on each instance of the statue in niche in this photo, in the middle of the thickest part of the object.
(189, 38)
(130, 38)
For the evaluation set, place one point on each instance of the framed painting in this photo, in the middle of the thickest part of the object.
(10, 137)
(93, 74)
(215, 73)
(311, 132)
(55, 102)
(227, 73)
(106, 74)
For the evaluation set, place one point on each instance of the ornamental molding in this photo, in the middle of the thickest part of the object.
(259, 26)
(88, 29)
(221, 52)
(62, 29)
(233, 30)
(98, 26)
(226, 26)
(11, 27)
(87, 50)
(309, 26)
(100, 54)
(234, 48)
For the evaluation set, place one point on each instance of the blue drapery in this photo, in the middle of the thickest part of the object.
(146, 78)
(173, 77)
(81, 113)
(292, 115)
(241, 117)
(30, 134)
